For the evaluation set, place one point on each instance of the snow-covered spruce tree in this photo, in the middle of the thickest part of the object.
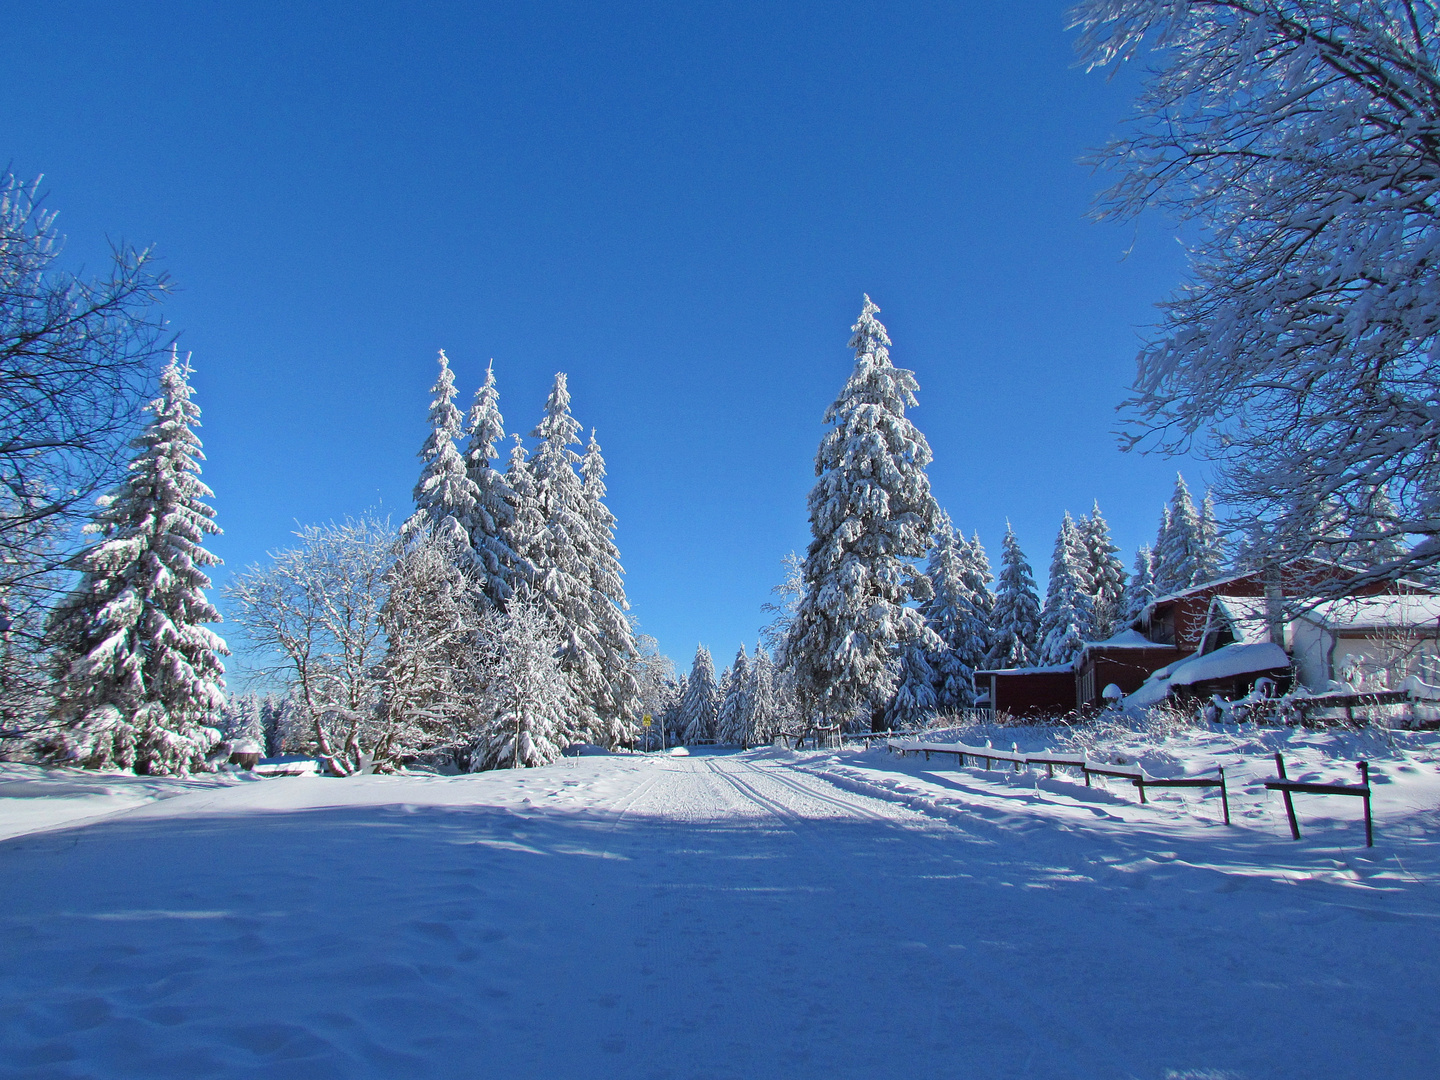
(764, 710)
(1212, 542)
(1160, 533)
(620, 708)
(913, 704)
(528, 707)
(273, 711)
(700, 707)
(1140, 589)
(959, 612)
(734, 720)
(1015, 621)
(242, 721)
(1178, 558)
(526, 533)
(559, 552)
(431, 619)
(977, 578)
(491, 523)
(674, 718)
(1106, 573)
(947, 613)
(871, 513)
(445, 496)
(138, 677)
(1066, 622)
(722, 688)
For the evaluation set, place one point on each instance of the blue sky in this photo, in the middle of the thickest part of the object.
(678, 205)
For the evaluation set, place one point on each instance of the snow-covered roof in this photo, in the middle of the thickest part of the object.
(1225, 662)
(1127, 639)
(1050, 669)
(1386, 612)
(1241, 658)
(1241, 575)
(1245, 615)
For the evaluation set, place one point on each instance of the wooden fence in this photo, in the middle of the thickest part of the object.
(1133, 773)
(1290, 788)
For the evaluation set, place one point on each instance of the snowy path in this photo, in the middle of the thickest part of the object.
(714, 916)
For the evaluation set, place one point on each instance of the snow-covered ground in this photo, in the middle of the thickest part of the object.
(835, 914)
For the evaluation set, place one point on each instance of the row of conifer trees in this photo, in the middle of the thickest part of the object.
(504, 609)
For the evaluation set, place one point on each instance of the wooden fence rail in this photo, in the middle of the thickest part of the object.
(1290, 788)
(1135, 774)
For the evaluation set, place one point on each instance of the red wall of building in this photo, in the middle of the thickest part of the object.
(1028, 693)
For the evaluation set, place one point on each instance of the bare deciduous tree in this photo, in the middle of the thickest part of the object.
(315, 611)
(1300, 139)
(77, 360)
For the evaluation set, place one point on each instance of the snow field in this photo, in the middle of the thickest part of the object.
(833, 914)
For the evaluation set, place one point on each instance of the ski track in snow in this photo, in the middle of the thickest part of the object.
(723, 915)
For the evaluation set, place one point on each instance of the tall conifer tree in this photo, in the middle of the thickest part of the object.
(1066, 622)
(1211, 558)
(914, 703)
(960, 612)
(1016, 617)
(620, 707)
(562, 585)
(491, 522)
(700, 707)
(1179, 559)
(764, 707)
(977, 577)
(734, 721)
(1140, 589)
(138, 676)
(1106, 573)
(445, 496)
(871, 512)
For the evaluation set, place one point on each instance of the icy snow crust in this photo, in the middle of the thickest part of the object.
(769, 914)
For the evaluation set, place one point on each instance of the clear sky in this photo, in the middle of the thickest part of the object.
(680, 205)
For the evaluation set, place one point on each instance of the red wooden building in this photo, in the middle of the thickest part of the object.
(1169, 630)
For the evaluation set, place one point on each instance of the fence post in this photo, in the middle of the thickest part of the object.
(1365, 779)
(1224, 795)
(1289, 801)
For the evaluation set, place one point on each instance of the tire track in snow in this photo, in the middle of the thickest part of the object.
(747, 792)
(795, 785)
(626, 803)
